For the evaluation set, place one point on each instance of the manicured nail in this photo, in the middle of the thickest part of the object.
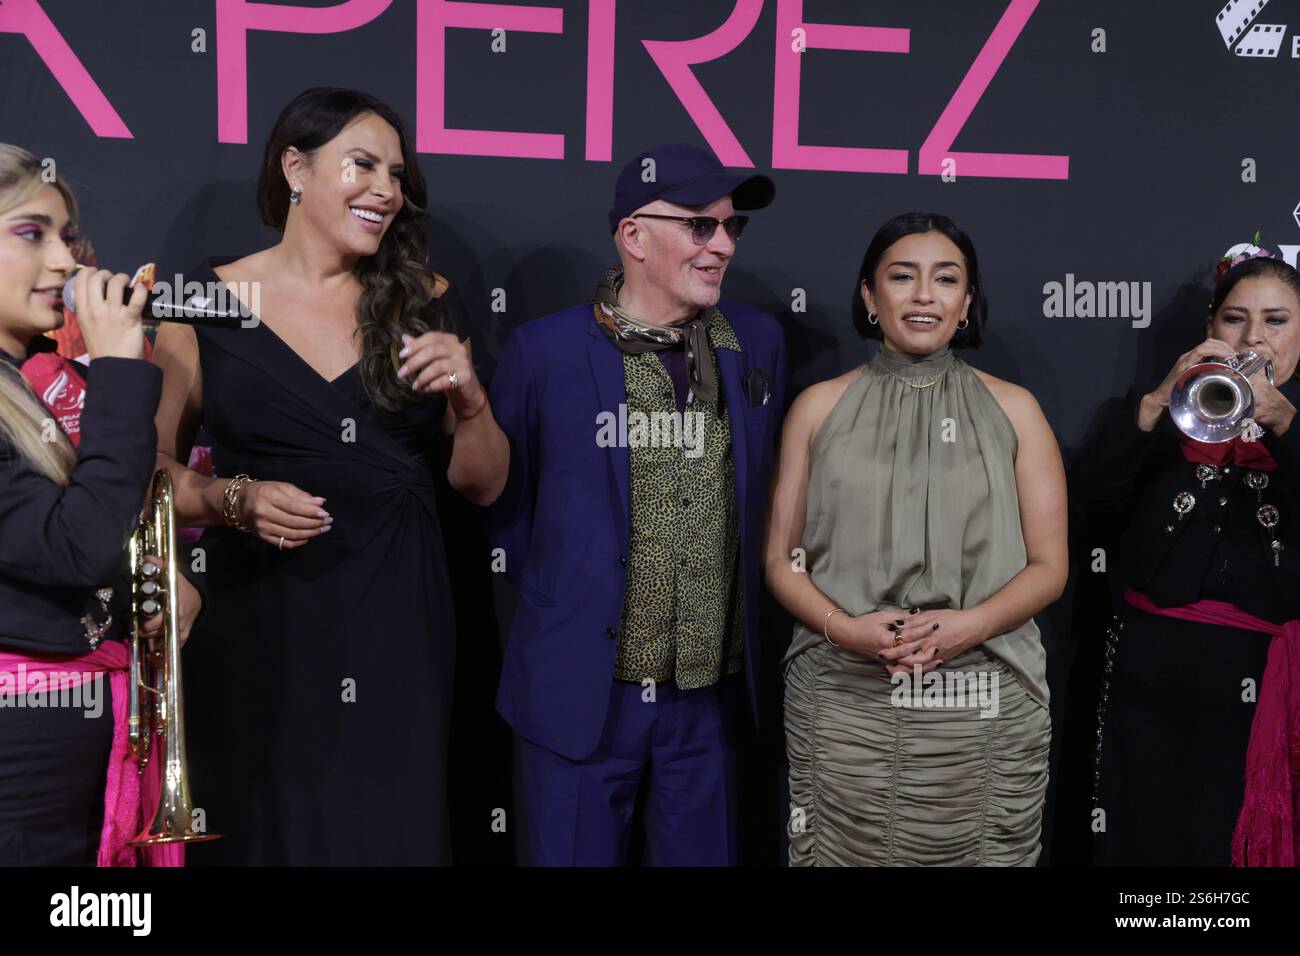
(401, 372)
(915, 610)
(406, 350)
(935, 626)
(322, 513)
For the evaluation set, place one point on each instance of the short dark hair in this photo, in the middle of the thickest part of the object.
(908, 224)
(1261, 267)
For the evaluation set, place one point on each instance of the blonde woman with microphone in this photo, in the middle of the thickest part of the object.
(66, 794)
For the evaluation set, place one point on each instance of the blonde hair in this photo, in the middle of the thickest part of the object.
(24, 421)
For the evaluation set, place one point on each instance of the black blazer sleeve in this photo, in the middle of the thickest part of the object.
(73, 536)
(1107, 470)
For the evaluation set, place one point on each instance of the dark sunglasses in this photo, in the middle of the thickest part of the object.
(703, 228)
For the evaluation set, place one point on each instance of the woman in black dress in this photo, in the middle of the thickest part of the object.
(65, 513)
(1194, 690)
(318, 714)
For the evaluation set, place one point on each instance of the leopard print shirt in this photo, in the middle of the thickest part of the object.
(682, 611)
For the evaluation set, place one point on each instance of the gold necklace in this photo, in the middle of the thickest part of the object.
(913, 383)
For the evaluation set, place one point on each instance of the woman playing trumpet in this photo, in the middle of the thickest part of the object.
(1199, 704)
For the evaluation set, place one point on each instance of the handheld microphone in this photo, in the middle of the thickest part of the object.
(222, 311)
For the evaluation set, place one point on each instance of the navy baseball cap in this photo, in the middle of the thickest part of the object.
(686, 175)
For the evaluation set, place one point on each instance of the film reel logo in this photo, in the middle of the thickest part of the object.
(1236, 22)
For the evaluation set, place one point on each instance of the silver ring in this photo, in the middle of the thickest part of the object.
(281, 544)
(451, 378)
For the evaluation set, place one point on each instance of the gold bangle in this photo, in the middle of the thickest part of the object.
(229, 502)
(826, 623)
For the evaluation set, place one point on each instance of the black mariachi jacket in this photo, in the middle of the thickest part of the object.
(1218, 550)
(58, 544)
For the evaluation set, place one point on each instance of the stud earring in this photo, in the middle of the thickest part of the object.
(296, 194)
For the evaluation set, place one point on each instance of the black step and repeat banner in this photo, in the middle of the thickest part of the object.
(1102, 153)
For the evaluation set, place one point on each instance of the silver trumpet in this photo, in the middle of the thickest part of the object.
(1213, 401)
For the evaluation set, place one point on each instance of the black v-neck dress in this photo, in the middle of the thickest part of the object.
(318, 680)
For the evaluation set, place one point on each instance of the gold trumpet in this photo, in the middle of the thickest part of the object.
(156, 707)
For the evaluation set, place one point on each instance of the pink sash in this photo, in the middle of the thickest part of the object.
(1266, 833)
(128, 795)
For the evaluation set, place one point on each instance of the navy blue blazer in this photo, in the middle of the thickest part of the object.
(58, 543)
(563, 518)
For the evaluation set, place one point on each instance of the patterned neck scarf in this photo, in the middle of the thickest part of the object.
(633, 336)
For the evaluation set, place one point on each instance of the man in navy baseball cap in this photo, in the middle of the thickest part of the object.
(642, 426)
(686, 175)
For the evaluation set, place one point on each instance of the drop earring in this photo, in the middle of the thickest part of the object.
(296, 194)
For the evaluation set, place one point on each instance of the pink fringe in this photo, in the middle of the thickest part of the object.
(1266, 832)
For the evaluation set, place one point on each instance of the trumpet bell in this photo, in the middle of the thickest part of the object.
(1213, 401)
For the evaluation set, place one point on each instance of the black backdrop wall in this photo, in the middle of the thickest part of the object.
(1111, 141)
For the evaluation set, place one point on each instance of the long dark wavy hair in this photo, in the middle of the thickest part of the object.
(396, 281)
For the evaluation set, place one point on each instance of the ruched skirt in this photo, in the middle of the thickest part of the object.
(877, 783)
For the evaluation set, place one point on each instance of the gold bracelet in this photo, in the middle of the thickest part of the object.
(229, 502)
(826, 623)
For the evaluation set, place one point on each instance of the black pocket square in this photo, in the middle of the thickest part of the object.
(756, 387)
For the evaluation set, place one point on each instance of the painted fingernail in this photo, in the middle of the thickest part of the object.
(935, 626)
(915, 610)
(900, 622)
(404, 352)
(322, 513)
(401, 372)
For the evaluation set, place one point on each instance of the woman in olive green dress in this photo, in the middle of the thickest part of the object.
(918, 522)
